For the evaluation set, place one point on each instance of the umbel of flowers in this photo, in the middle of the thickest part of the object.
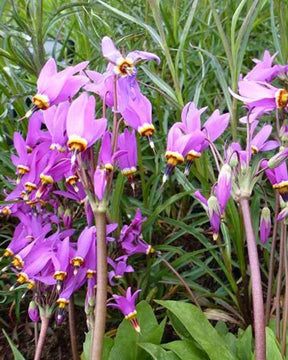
(56, 173)
(57, 176)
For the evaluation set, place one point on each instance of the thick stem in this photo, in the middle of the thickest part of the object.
(285, 311)
(272, 259)
(42, 336)
(72, 330)
(257, 294)
(101, 294)
(279, 286)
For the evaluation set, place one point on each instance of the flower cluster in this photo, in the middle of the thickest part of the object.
(58, 179)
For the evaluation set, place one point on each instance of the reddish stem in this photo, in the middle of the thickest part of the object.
(257, 294)
(42, 336)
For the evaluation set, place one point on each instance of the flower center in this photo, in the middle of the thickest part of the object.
(46, 179)
(146, 129)
(60, 275)
(281, 98)
(77, 143)
(41, 101)
(174, 158)
(30, 186)
(254, 149)
(128, 172)
(22, 169)
(125, 67)
(22, 278)
(17, 262)
(193, 155)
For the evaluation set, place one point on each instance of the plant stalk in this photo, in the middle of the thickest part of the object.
(72, 330)
(279, 286)
(285, 310)
(271, 261)
(42, 336)
(257, 294)
(101, 293)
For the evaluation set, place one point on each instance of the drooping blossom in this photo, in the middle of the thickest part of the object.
(55, 121)
(120, 267)
(212, 129)
(124, 66)
(128, 161)
(264, 70)
(178, 146)
(261, 95)
(259, 143)
(82, 128)
(55, 87)
(138, 114)
(126, 304)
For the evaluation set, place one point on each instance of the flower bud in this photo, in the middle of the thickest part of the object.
(283, 133)
(278, 159)
(265, 225)
(33, 311)
(214, 214)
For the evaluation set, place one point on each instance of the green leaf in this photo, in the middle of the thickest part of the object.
(16, 352)
(200, 329)
(272, 346)
(127, 338)
(244, 344)
(186, 350)
(157, 352)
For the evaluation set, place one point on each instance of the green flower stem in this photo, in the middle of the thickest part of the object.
(101, 293)
(42, 336)
(257, 294)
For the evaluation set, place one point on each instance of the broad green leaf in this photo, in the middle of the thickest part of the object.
(200, 329)
(272, 346)
(127, 338)
(186, 350)
(158, 353)
(16, 352)
(244, 344)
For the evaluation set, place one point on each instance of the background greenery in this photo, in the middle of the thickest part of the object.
(204, 47)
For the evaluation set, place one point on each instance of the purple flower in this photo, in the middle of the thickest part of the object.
(178, 146)
(261, 95)
(130, 239)
(214, 214)
(128, 145)
(124, 66)
(82, 129)
(138, 114)
(55, 120)
(263, 70)
(126, 304)
(120, 267)
(33, 311)
(259, 143)
(100, 183)
(224, 186)
(53, 87)
(265, 225)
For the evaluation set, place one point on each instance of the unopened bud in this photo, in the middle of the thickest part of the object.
(278, 159)
(33, 311)
(265, 224)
